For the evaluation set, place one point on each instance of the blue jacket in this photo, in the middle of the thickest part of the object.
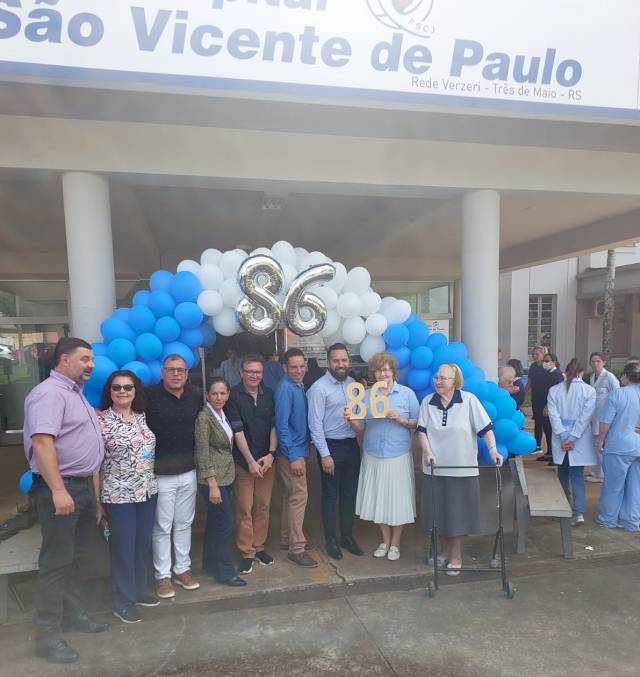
(291, 420)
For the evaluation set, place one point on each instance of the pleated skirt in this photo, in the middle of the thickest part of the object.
(457, 505)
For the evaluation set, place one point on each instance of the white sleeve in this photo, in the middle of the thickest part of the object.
(552, 407)
(478, 416)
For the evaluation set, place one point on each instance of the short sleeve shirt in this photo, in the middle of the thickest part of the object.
(622, 411)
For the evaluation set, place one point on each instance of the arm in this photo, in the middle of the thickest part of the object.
(490, 439)
(603, 430)
(47, 459)
(554, 416)
(283, 404)
(243, 448)
(316, 401)
(204, 462)
(584, 418)
(427, 452)
(267, 461)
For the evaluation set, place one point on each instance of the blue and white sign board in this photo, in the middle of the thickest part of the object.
(575, 56)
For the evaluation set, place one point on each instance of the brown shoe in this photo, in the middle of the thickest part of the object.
(164, 589)
(186, 581)
(302, 560)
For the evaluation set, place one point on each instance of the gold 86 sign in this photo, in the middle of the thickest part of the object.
(357, 407)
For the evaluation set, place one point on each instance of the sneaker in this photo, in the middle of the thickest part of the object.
(263, 558)
(593, 478)
(453, 569)
(128, 614)
(302, 560)
(394, 553)
(148, 600)
(246, 566)
(381, 550)
(165, 589)
(577, 521)
(186, 581)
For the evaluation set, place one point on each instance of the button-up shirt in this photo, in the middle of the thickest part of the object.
(327, 399)
(57, 407)
(291, 420)
(622, 411)
(385, 438)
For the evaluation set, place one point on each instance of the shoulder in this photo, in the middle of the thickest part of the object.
(203, 415)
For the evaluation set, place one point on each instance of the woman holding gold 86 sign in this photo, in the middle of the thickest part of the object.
(386, 487)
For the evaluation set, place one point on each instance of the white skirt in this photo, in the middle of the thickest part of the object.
(387, 490)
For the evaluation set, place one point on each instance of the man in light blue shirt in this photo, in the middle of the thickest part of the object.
(231, 368)
(338, 449)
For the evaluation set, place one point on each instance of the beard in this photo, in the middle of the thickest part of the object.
(339, 376)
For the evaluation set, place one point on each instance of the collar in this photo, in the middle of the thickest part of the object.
(243, 390)
(291, 382)
(437, 402)
(68, 383)
(333, 380)
(214, 413)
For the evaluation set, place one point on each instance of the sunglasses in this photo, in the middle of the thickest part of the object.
(127, 387)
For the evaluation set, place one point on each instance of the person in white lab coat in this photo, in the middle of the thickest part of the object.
(604, 382)
(571, 405)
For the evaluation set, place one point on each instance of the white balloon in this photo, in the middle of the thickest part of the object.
(333, 338)
(332, 325)
(301, 253)
(210, 302)
(327, 295)
(337, 284)
(370, 303)
(189, 265)
(370, 346)
(210, 257)
(349, 305)
(358, 280)
(226, 323)
(283, 252)
(312, 259)
(385, 303)
(211, 276)
(230, 262)
(398, 312)
(290, 274)
(354, 330)
(265, 251)
(376, 324)
(231, 293)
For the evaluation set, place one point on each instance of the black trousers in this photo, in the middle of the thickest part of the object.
(217, 555)
(63, 539)
(542, 424)
(339, 490)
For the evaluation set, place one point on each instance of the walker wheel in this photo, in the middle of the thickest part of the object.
(511, 591)
(431, 588)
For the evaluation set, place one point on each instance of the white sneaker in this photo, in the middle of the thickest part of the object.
(577, 521)
(394, 553)
(381, 550)
(593, 478)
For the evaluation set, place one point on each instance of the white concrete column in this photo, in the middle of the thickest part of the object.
(92, 286)
(480, 265)
(457, 311)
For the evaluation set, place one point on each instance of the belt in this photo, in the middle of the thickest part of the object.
(67, 479)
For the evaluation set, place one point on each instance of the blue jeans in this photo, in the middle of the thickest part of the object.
(572, 479)
(217, 556)
(620, 496)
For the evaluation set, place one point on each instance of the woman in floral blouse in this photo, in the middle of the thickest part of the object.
(129, 492)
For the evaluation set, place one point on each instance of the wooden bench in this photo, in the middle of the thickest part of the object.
(17, 554)
(538, 493)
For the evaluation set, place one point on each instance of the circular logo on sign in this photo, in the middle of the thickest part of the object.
(405, 15)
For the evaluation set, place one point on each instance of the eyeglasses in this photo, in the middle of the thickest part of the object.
(251, 373)
(444, 378)
(382, 370)
(175, 370)
(127, 387)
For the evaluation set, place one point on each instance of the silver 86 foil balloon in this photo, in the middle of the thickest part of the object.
(260, 278)
(298, 298)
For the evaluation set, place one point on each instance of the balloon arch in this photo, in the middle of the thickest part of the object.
(309, 293)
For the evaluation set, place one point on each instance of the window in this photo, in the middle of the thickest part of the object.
(541, 331)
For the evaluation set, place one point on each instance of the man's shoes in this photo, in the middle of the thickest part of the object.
(80, 622)
(302, 560)
(186, 581)
(263, 558)
(148, 600)
(351, 546)
(165, 589)
(55, 650)
(128, 614)
(545, 457)
(246, 565)
(235, 582)
(333, 550)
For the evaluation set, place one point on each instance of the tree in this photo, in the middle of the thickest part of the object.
(609, 305)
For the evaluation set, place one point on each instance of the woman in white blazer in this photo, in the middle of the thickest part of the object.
(571, 405)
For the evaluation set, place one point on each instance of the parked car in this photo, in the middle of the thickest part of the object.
(6, 353)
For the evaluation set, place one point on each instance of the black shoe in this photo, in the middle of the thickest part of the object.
(350, 545)
(545, 457)
(263, 558)
(55, 650)
(148, 600)
(333, 550)
(235, 582)
(246, 566)
(128, 614)
(80, 622)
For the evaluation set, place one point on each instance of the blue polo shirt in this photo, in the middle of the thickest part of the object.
(622, 411)
(291, 420)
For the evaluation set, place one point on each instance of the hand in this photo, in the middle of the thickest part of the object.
(545, 412)
(496, 457)
(101, 515)
(255, 469)
(346, 412)
(62, 502)
(265, 463)
(328, 466)
(429, 458)
(298, 467)
(215, 496)
(637, 429)
(394, 416)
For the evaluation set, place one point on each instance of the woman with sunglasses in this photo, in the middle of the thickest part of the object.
(129, 492)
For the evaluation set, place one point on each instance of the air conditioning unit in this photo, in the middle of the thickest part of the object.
(598, 308)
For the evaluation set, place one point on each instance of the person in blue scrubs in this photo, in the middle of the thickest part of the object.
(619, 444)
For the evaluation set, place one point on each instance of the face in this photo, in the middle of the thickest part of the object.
(339, 364)
(597, 363)
(445, 380)
(295, 368)
(78, 365)
(218, 395)
(123, 391)
(506, 381)
(251, 375)
(174, 374)
(537, 355)
(384, 373)
(548, 362)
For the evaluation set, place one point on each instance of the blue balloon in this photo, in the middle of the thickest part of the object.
(167, 329)
(484, 459)
(103, 366)
(161, 280)
(196, 357)
(191, 337)
(185, 286)
(418, 334)
(148, 347)
(114, 328)
(140, 370)
(490, 408)
(519, 419)
(505, 430)
(26, 480)
(477, 387)
(396, 336)
(121, 314)
(404, 375)
(208, 335)
(421, 357)
(188, 315)
(492, 390)
(502, 450)
(522, 443)
(155, 367)
(141, 298)
(177, 348)
(425, 392)
(402, 355)
(419, 379)
(442, 356)
(94, 397)
(99, 349)
(466, 367)
(478, 373)
(142, 319)
(411, 319)
(121, 351)
(506, 407)
(161, 303)
(459, 351)
(437, 340)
